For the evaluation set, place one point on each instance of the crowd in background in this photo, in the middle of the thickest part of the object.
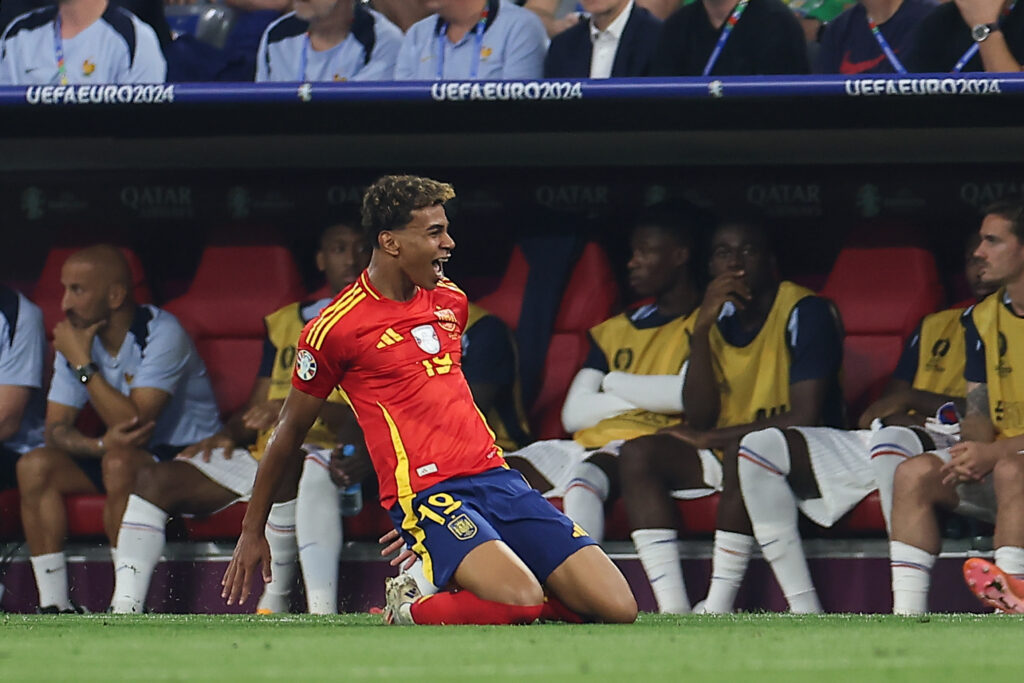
(78, 42)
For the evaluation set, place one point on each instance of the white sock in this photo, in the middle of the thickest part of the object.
(416, 572)
(1011, 560)
(140, 541)
(911, 578)
(660, 558)
(280, 530)
(584, 499)
(763, 466)
(728, 565)
(889, 447)
(52, 580)
(319, 530)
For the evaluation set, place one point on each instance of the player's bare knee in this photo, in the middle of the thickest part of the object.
(621, 609)
(1008, 477)
(153, 484)
(635, 459)
(523, 594)
(920, 477)
(119, 469)
(34, 471)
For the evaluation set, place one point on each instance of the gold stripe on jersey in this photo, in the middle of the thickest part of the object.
(388, 338)
(325, 329)
(448, 284)
(660, 350)
(403, 481)
(942, 353)
(754, 379)
(365, 282)
(329, 310)
(1002, 332)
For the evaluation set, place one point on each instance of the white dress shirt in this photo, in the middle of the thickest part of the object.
(606, 43)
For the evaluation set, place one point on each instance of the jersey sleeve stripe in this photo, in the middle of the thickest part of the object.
(448, 284)
(318, 341)
(403, 483)
(328, 312)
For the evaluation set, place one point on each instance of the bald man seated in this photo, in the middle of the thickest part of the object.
(138, 369)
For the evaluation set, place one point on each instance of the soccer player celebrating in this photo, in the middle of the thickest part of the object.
(443, 480)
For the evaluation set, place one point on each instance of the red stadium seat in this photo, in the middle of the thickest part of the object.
(507, 300)
(234, 287)
(232, 365)
(565, 357)
(48, 291)
(220, 526)
(85, 515)
(881, 294)
(223, 310)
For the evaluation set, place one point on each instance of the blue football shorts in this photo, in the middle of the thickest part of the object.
(445, 522)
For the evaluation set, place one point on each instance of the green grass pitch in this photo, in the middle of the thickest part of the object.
(751, 647)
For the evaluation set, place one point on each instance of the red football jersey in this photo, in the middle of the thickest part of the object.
(400, 367)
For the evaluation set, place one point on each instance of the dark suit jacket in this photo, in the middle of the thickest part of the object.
(569, 54)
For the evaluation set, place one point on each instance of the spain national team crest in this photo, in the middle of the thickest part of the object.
(446, 319)
(305, 365)
(462, 527)
(426, 339)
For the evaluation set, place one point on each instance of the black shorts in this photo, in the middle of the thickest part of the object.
(93, 468)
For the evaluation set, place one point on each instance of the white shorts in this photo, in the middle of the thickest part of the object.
(711, 467)
(555, 460)
(841, 462)
(977, 499)
(235, 471)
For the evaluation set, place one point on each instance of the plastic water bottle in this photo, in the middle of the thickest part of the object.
(350, 499)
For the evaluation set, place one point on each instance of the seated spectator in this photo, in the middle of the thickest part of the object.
(402, 13)
(814, 15)
(970, 35)
(22, 349)
(824, 472)
(618, 40)
(329, 40)
(556, 15)
(150, 11)
(763, 353)
(727, 38)
(632, 381)
(80, 42)
(982, 476)
(872, 37)
(473, 39)
(314, 518)
(138, 369)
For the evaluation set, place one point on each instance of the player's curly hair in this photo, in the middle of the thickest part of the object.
(388, 203)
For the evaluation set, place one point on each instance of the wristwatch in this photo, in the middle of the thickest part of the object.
(85, 372)
(981, 31)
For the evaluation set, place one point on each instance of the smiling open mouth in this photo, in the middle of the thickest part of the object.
(439, 266)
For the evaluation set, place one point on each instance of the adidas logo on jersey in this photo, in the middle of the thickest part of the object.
(388, 338)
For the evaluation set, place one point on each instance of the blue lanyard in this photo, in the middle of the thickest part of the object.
(58, 48)
(884, 44)
(730, 24)
(442, 37)
(973, 49)
(304, 58)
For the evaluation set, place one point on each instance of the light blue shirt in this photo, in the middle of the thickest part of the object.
(512, 48)
(117, 48)
(156, 353)
(280, 56)
(22, 348)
